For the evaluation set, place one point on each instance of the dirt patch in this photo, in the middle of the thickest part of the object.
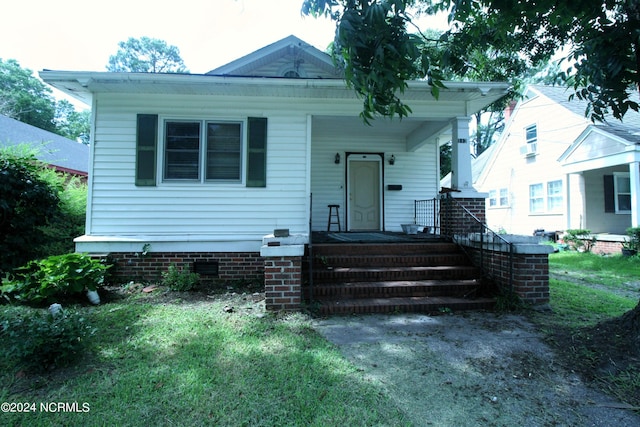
(472, 369)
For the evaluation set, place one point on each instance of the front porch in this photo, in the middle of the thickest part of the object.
(457, 265)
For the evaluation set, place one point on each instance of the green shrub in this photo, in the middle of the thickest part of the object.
(39, 340)
(55, 276)
(27, 202)
(178, 280)
(580, 239)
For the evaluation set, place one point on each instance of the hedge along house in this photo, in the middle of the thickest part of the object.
(190, 168)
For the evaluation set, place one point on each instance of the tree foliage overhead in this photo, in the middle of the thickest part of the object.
(380, 49)
(25, 98)
(146, 55)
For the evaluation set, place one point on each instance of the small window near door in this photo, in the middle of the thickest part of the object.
(622, 190)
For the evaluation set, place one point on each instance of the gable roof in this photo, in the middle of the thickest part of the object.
(614, 129)
(289, 55)
(62, 153)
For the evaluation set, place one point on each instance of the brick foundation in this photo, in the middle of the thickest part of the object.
(231, 265)
(283, 283)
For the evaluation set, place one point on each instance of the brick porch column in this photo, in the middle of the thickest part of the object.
(283, 271)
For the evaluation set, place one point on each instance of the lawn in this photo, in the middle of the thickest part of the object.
(589, 294)
(172, 358)
(192, 362)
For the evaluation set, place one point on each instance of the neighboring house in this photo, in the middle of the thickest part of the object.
(477, 167)
(207, 165)
(554, 169)
(63, 154)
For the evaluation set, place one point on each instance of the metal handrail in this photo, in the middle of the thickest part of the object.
(491, 253)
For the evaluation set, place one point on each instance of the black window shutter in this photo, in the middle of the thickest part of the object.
(257, 152)
(609, 194)
(146, 142)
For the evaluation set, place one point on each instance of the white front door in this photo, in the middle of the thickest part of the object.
(364, 198)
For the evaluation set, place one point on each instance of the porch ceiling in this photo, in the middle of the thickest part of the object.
(415, 131)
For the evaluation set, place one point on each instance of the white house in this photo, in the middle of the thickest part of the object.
(554, 169)
(209, 164)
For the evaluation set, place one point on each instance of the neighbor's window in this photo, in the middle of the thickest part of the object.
(536, 198)
(504, 197)
(531, 134)
(622, 190)
(493, 201)
(197, 149)
(554, 196)
(546, 197)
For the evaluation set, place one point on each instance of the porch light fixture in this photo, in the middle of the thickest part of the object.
(337, 159)
(392, 160)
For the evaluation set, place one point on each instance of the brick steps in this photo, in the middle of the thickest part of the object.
(390, 277)
(401, 305)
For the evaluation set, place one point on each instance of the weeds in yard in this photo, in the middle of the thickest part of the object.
(193, 364)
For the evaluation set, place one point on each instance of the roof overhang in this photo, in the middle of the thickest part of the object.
(595, 148)
(82, 85)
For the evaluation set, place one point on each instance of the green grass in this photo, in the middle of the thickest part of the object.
(194, 364)
(587, 295)
(613, 272)
(579, 305)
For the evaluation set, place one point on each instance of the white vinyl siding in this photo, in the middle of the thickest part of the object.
(190, 210)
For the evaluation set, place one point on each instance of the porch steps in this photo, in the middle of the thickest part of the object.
(393, 277)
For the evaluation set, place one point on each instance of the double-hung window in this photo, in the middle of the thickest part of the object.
(201, 150)
(622, 190)
(546, 197)
(499, 198)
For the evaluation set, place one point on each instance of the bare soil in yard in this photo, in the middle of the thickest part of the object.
(470, 369)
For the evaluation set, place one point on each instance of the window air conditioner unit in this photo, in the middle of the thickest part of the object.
(529, 149)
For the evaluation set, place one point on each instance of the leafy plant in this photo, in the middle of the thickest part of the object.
(57, 275)
(580, 239)
(179, 280)
(40, 340)
(633, 241)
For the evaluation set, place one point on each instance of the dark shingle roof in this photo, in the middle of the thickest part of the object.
(628, 128)
(55, 150)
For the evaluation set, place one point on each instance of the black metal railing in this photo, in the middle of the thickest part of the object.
(426, 213)
(488, 250)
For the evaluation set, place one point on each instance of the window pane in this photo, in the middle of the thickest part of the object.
(224, 144)
(624, 202)
(536, 199)
(182, 150)
(492, 198)
(531, 133)
(554, 195)
(504, 197)
(623, 184)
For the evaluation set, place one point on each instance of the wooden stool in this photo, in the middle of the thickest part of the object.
(334, 217)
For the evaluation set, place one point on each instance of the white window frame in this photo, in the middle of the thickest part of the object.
(617, 191)
(550, 202)
(534, 139)
(499, 198)
(493, 199)
(202, 150)
(539, 197)
(503, 197)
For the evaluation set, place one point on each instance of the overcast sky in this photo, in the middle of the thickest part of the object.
(80, 35)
